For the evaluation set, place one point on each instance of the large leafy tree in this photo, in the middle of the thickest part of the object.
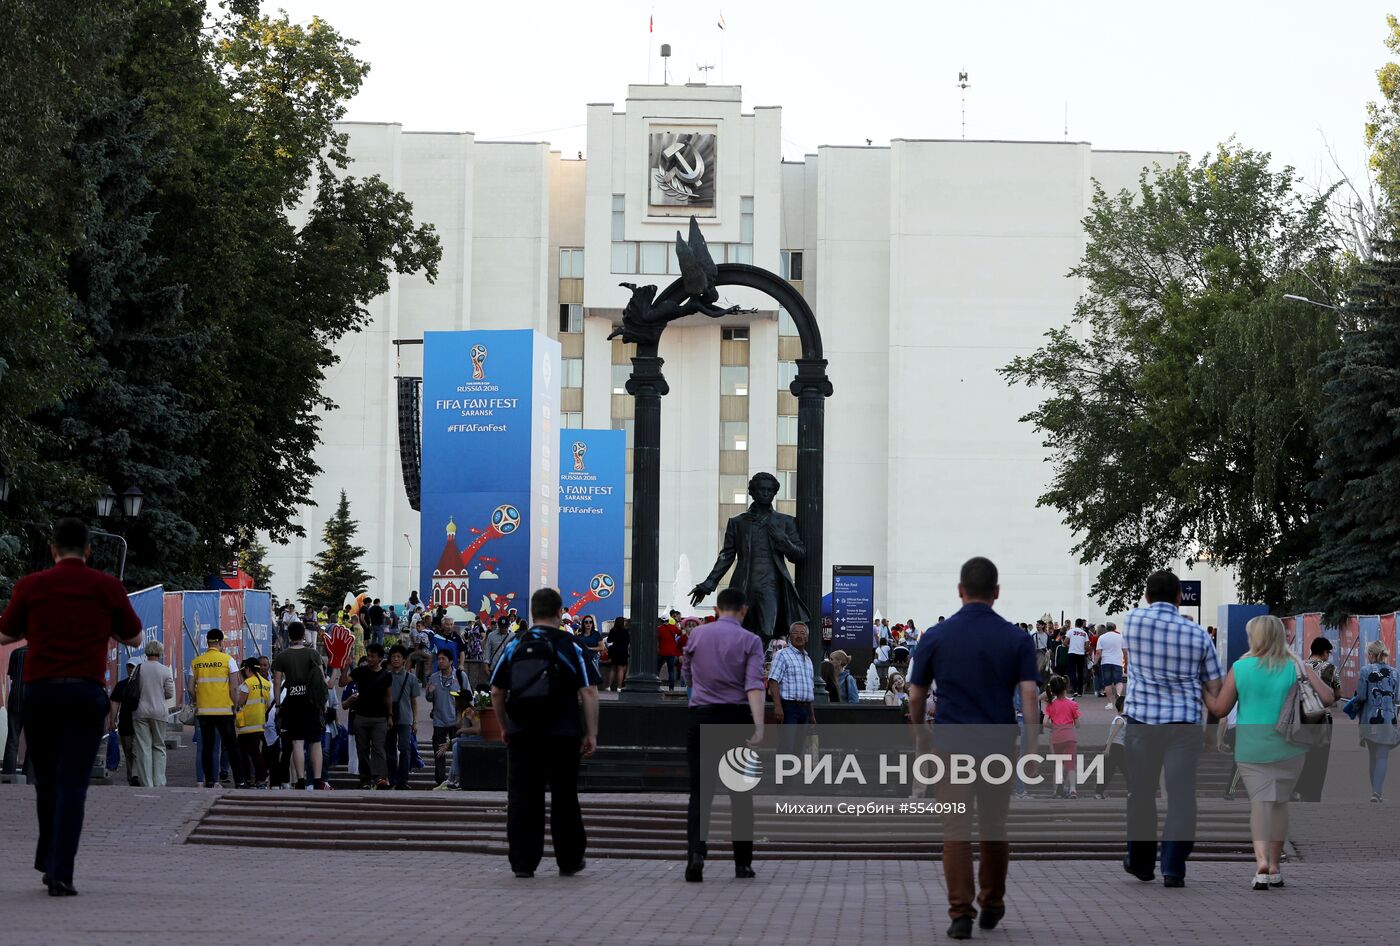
(1355, 565)
(1180, 402)
(209, 249)
(336, 571)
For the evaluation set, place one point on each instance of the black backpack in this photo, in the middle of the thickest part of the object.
(536, 680)
(131, 696)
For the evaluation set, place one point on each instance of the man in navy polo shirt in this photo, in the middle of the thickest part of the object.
(980, 663)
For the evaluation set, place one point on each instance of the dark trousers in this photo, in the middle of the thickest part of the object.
(1116, 762)
(369, 747)
(250, 747)
(531, 763)
(704, 781)
(1076, 672)
(442, 739)
(222, 726)
(796, 719)
(670, 664)
(63, 725)
(12, 761)
(991, 803)
(1314, 775)
(1173, 748)
(398, 752)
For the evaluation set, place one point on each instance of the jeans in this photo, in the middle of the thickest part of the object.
(670, 663)
(1149, 750)
(369, 746)
(1076, 673)
(791, 734)
(220, 749)
(250, 747)
(212, 725)
(531, 762)
(150, 751)
(459, 757)
(398, 751)
(1378, 759)
(1116, 762)
(63, 725)
(704, 780)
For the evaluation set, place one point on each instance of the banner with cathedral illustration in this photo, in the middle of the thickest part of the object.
(490, 472)
(592, 521)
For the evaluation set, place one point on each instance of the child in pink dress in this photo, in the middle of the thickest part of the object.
(1063, 714)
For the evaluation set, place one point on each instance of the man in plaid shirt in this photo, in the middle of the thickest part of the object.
(1171, 660)
(790, 683)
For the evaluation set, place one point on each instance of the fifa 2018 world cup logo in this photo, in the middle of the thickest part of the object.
(600, 586)
(478, 362)
(580, 448)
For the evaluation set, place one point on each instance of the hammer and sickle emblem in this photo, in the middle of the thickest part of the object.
(676, 154)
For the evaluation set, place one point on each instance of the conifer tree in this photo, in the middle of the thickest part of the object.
(336, 571)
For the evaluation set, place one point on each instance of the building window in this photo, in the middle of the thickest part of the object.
(734, 435)
(792, 264)
(737, 333)
(570, 263)
(734, 379)
(571, 419)
(571, 373)
(625, 423)
(570, 317)
(624, 258)
(653, 258)
(787, 484)
(673, 265)
(787, 430)
(787, 373)
(619, 218)
(786, 326)
(745, 246)
(620, 374)
(733, 489)
(741, 253)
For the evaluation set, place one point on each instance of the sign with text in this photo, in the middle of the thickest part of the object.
(490, 475)
(149, 605)
(852, 605)
(592, 521)
(1190, 594)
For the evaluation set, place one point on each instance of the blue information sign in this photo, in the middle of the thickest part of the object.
(592, 521)
(852, 605)
(1190, 594)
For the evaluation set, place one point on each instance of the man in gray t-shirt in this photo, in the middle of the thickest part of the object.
(404, 691)
(443, 685)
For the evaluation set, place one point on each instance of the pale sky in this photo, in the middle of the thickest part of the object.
(1287, 76)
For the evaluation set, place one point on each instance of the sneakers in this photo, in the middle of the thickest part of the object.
(1376, 798)
(324, 786)
(1260, 882)
(381, 785)
(444, 787)
(1275, 880)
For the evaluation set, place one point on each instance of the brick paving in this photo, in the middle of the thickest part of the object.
(140, 884)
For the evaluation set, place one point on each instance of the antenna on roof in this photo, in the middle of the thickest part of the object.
(665, 63)
(704, 72)
(962, 85)
(1066, 119)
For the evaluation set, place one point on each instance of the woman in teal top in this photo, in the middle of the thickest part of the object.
(1260, 681)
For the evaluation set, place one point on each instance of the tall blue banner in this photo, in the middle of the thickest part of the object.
(201, 614)
(149, 605)
(489, 534)
(257, 612)
(592, 521)
(852, 605)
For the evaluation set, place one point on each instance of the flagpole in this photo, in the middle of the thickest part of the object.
(651, 36)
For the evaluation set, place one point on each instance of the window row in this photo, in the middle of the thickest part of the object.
(659, 259)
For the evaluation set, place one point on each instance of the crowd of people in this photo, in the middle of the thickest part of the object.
(275, 720)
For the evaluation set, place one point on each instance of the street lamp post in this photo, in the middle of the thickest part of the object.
(1305, 300)
(411, 563)
(132, 501)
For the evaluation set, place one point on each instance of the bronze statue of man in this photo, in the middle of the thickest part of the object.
(763, 539)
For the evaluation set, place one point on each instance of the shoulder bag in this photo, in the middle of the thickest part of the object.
(1303, 720)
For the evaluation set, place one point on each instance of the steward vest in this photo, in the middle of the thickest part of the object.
(211, 672)
(253, 716)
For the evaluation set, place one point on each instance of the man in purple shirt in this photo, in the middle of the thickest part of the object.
(724, 670)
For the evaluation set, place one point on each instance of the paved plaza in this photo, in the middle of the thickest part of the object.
(141, 884)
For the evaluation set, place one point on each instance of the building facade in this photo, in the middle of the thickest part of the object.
(928, 264)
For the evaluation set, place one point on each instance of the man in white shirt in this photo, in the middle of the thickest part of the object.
(1078, 642)
(1110, 655)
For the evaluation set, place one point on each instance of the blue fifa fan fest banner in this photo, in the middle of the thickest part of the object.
(201, 615)
(257, 614)
(489, 531)
(149, 605)
(1232, 641)
(852, 605)
(592, 521)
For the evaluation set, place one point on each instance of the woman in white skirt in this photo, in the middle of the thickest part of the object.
(1269, 765)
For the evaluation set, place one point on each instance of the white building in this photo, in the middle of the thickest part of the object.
(929, 265)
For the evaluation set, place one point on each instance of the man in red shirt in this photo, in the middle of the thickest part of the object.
(67, 613)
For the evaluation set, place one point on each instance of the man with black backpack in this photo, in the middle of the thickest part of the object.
(545, 695)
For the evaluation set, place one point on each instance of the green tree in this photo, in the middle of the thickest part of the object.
(1355, 565)
(252, 560)
(1180, 402)
(1383, 119)
(336, 571)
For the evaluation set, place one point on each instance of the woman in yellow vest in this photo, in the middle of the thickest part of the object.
(254, 698)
